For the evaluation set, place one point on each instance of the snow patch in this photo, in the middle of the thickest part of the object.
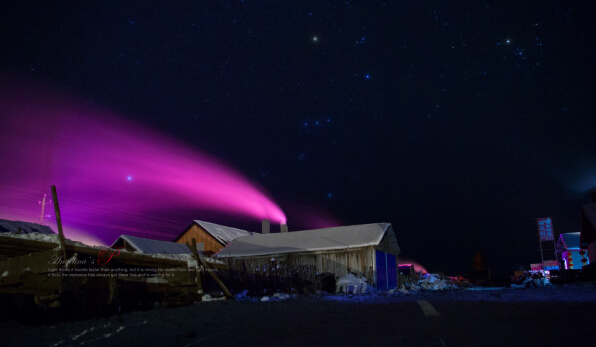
(208, 297)
(76, 337)
(281, 296)
(243, 295)
(350, 284)
(51, 238)
(120, 328)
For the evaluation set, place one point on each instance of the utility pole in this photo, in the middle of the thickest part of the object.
(43, 207)
(59, 223)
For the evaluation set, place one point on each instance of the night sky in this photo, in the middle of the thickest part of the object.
(460, 124)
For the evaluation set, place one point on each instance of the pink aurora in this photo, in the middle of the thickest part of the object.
(113, 177)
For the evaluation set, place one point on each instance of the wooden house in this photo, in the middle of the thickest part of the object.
(368, 249)
(213, 236)
(148, 246)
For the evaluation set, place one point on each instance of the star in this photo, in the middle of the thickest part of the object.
(301, 156)
(315, 39)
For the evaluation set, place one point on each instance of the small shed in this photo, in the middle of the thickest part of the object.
(213, 236)
(148, 246)
(18, 227)
(574, 258)
(368, 249)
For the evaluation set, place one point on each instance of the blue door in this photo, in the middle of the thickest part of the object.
(386, 271)
(391, 271)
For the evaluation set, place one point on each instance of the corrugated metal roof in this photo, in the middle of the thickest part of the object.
(9, 226)
(570, 240)
(343, 237)
(154, 246)
(222, 233)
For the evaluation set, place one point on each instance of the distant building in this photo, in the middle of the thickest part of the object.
(369, 249)
(147, 246)
(213, 236)
(18, 227)
(571, 253)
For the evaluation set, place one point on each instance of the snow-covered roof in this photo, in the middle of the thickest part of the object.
(35, 236)
(570, 240)
(222, 233)
(9, 226)
(148, 246)
(343, 237)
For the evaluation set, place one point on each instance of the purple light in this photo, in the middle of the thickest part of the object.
(54, 139)
(417, 266)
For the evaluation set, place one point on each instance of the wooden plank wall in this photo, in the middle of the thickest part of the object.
(212, 246)
(360, 260)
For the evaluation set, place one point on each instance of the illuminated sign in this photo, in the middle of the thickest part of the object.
(550, 265)
(545, 229)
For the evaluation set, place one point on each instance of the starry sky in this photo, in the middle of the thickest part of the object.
(459, 124)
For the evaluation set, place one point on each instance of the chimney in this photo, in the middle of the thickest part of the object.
(283, 228)
(265, 226)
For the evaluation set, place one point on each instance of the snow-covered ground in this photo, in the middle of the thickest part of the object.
(475, 316)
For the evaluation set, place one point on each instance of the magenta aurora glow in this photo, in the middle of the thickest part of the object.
(113, 176)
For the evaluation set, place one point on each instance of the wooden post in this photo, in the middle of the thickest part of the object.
(59, 222)
(198, 272)
(210, 271)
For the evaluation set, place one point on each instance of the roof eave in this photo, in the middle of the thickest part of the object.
(220, 254)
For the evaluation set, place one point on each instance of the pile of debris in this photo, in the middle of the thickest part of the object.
(436, 282)
(530, 279)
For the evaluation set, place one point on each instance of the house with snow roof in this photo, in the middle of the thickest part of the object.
(148, 246)
(368, 249)
(214, 237)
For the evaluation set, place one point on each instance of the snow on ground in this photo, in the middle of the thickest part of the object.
(582, 292)
(489, 317)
